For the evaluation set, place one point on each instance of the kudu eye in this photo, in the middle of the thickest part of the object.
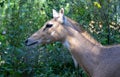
(49, 25)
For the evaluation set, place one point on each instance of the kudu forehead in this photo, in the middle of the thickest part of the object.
(58, 17)
(53, 22)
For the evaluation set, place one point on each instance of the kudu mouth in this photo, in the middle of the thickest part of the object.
(29, 42)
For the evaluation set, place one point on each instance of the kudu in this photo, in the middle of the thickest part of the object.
(97, 60)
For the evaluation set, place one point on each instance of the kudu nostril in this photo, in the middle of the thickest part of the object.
(26, 41)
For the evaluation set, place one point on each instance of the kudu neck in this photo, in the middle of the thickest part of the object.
(81, 48)
(76, 34)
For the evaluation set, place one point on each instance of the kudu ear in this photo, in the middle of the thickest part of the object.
(61, 11)
(55, 14)
(59, 16)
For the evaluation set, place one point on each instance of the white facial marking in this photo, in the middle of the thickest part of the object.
(50, 22)
(35, 34)
(52, 33)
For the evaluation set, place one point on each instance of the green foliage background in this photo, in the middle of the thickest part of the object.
(21, 18)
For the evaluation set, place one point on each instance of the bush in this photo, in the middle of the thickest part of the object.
(21, 18)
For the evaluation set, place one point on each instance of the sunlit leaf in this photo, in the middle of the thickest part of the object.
(97, 4)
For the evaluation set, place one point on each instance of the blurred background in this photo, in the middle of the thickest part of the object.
(21, 18)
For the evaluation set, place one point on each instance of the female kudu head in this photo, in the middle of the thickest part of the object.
(52, 31)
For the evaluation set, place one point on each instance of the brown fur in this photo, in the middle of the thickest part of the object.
(97, 60)
(103, 57)
(84, 33)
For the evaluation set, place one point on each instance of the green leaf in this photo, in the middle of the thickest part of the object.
(97, 4)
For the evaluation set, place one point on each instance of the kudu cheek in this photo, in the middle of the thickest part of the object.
(52, 33)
